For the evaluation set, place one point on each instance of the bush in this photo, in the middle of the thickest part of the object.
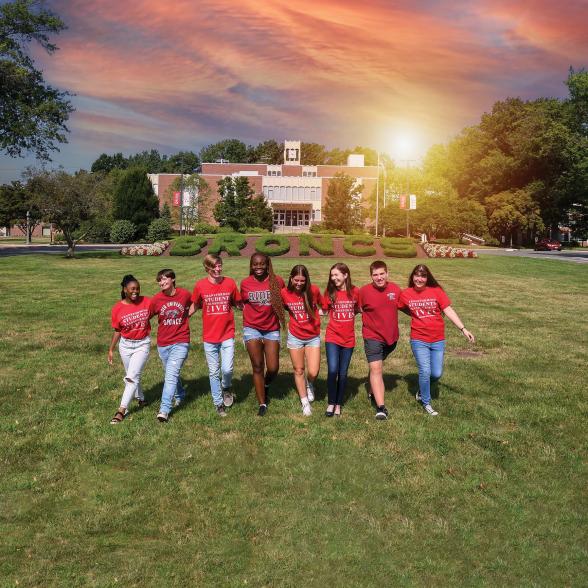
(95, 232)
(359, 245)
(256, 230)
(447, 241)
(320, 228)
(322, 245)
(232, 243)
(273, 245)
(58, 238)
(186, 246)
(205, 229)
(122, 231)
(159, 230)
(491, 241)
(397, 247)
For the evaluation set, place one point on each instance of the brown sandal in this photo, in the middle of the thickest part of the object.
(117, 418)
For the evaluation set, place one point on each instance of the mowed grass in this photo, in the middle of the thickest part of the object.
(490, 493)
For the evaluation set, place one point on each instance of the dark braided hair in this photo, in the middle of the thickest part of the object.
(300, 270)
(125, 282)
(275, 295)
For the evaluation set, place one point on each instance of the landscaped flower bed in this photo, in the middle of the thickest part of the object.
(155, 249)
(433, 250)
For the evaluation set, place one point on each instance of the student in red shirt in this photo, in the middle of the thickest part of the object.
(302, 299)
(263, 313)
(130, 321)
(341, 300)
(171, 305)
(427, 302)
(378, 302)
(216, 295)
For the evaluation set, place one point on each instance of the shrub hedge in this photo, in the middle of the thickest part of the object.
(398, 247)
(273, 245)
(122, 231)
(322, 245)
(359, 245)
(232, 243)
(188, 245)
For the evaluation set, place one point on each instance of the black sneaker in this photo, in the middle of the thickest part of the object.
(382, 413)
(266, 390)
(262, 410)
(228, 397)
(220, 411)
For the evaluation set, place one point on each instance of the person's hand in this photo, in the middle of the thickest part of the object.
(469, 336)
(110, 356)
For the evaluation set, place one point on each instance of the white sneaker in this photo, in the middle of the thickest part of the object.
(418, 396)
(310, 392)
(430, 410)
(306, 410)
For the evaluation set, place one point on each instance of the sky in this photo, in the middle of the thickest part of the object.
(397, 76)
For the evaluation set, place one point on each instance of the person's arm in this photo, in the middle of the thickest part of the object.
(192, 309)
(452, 316)
(115, 339)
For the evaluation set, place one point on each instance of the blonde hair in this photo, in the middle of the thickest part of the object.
(210, 260)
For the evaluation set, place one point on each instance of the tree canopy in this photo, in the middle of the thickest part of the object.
(343, 209)
(33, 114)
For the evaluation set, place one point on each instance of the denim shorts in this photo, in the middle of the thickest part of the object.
(296, 343)
(251, 334)
(377, 350)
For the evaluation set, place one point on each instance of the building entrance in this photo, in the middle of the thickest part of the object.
(291, 217)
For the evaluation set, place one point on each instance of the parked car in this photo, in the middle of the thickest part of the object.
(547, 245)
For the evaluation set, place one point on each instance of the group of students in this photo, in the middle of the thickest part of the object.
(265, 298)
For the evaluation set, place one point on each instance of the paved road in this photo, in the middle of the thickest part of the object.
(573, 255)
(9, 249)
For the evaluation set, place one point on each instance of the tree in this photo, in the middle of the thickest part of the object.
(312, 154)
(135, 200)
(270, 152)
(231, 150)
(343, 209)
(106, 163)
(32, 113)
(68, 201)
(184, 162)
(196, 194)
(238, 208)
(15, 202)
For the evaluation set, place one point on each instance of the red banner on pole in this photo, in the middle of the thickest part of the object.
(177, 200)
(402, 200)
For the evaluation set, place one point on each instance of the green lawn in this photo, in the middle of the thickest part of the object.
(490, 493)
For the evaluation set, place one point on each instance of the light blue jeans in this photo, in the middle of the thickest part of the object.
(429, 359)
(219, 357)
(173, 358)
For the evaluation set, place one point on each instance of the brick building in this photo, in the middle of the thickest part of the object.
(295, 192)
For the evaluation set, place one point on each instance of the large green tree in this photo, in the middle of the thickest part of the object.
(15, 202)
(343, 209)
(135, 201)
(196, 193)
(33, 114)
(239, 208)
(69, 201)
(231, 150)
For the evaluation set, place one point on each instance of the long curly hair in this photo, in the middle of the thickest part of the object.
(301, 270)
(275, 295)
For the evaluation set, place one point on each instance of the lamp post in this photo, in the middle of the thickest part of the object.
(28, 227)
(378, 195)
(407, 161)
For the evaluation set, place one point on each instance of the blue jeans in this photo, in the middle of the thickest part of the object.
(338, 359)
(173, 358)
(429, 359)
(219, 356)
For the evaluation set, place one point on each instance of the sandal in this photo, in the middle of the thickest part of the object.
(117, 418)
(141, 402)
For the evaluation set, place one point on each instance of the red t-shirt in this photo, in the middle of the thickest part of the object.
(380, 312)
(132, 320)
(341, 327)
(257, 308)
(172, 312)
(300, 324)
(425, 308)
(216, 300)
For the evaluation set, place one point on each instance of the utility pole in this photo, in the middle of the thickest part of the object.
(408, 162)
(181, 195)
(378, 195)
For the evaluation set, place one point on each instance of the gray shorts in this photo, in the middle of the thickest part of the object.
(377, 350)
